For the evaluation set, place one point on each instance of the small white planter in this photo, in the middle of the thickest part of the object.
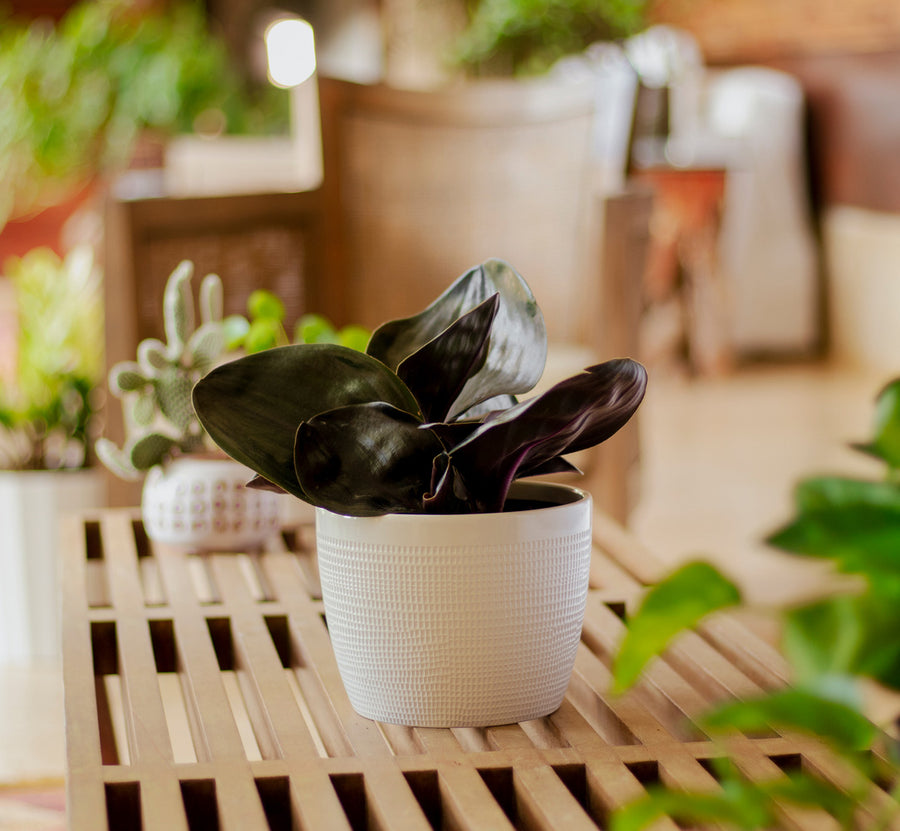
(31, 505)
(201, 503)
(458, 620)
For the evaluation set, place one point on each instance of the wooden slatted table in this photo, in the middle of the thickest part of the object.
(202, 693)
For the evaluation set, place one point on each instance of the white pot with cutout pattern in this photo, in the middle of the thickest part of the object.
(201, 503)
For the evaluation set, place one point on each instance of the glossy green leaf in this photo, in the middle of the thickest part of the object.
(855, 522)
(740, 804)
(263, 333)
(518, 347)
(885, 443)
(580, 412)
(252, 407)
(847, 634)
(235, 328)
(823, 637)
(365, 460)
(460, 351)
(264, 304)
(354, 337)
(313, 328)
(812, 792)
(798, 709)
(673, 605)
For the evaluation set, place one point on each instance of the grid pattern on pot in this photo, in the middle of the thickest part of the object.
(203, 692)
(216, 506)
(455, 635)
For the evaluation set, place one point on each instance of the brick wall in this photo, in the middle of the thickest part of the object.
(749, 31)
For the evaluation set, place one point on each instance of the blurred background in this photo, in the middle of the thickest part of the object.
(728, 213)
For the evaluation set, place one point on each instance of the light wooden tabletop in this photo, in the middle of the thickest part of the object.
(202, 692)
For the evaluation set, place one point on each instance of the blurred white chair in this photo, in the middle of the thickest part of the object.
(750, 121)
(768, 252)
(615, 83)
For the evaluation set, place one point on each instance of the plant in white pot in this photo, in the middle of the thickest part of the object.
(50, 363)
(193, 495)
(453, 596)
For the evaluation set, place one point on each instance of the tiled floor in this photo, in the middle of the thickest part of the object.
(720, 458)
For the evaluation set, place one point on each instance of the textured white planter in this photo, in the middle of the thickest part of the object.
(458, 621)
(201, 503)
(31, 505)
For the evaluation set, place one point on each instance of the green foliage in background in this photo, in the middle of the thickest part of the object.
(521, 37)
(73, 97)
(834, 645)
(155, 389)
(264, 328)
(47, 404)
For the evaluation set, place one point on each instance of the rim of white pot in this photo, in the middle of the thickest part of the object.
(554, 499)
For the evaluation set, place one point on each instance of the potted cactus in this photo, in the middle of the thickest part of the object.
(454, 594)
(193, 495)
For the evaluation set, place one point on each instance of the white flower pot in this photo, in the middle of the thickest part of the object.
(201, 503)
(458, 620)
(31, 505)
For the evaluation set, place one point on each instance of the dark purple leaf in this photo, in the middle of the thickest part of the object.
(260, 483)
(518, 346)
(365, 460)
(558, 464)
(448, 494)
(575, 414)
(452, 433)
(251, 407)
(484, 408)
(458, 353)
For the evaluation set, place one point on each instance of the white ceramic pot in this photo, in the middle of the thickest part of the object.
(31, 505)
(458, 620)
(201, 503)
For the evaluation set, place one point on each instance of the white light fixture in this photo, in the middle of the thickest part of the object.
(291, 57)
(255, 164)
(291, 52)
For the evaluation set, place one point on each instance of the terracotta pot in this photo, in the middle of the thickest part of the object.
(44, 228)
(458, 621)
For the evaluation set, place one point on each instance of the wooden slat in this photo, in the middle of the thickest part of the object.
(256, 655)
(544, 802)
(467, 802)
(255, 683)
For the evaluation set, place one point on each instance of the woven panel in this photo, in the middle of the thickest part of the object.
(202, 692)
(265, 257)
